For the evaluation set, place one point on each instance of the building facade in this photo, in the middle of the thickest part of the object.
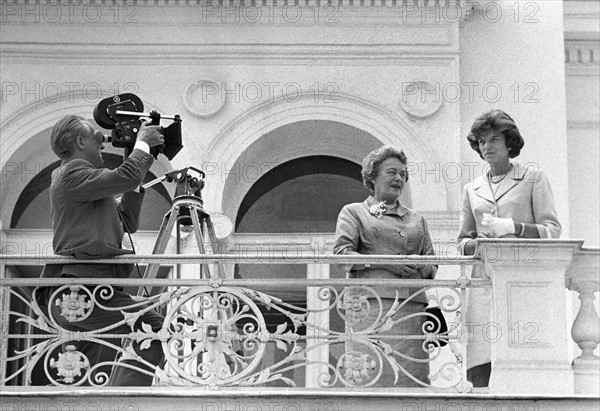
(281, 100)
(260, 84)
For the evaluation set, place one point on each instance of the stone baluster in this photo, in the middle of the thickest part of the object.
(584, 278)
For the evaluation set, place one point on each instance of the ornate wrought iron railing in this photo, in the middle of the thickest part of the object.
(216, 332)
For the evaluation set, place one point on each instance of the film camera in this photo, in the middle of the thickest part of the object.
(121, 114)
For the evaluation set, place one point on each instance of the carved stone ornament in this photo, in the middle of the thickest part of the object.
(420, 99)
(222, 224)
(204, 98)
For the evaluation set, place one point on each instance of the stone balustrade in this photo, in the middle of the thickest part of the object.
(527, 279)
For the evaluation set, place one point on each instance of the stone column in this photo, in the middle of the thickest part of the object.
(317, 354)
(492, 76)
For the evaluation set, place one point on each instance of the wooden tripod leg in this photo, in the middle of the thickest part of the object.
(213, 241)
(159, 247)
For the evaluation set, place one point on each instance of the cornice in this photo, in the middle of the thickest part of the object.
(585, 9)
(581, 19)
(213, 54)
(241, 13)
(113, 31)
(187, 3)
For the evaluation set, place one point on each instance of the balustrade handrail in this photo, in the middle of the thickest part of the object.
(243, 258)
(256, 258)
(251, 283)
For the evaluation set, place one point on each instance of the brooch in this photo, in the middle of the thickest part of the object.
(378, 209)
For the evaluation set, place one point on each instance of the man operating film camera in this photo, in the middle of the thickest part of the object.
(88, 223)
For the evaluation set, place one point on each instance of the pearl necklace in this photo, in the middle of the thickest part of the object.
(495, 179)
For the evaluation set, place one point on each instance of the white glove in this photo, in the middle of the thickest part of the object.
(496, 226)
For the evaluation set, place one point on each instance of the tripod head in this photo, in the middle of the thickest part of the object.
(190, 181)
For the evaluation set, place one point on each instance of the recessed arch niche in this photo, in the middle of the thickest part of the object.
(300, 190)
(302, 139)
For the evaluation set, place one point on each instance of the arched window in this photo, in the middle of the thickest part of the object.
(304, 195)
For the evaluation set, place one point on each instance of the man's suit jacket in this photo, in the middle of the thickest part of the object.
(86, 223)
(524, 195)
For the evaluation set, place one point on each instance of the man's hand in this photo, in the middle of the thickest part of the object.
(150, 135)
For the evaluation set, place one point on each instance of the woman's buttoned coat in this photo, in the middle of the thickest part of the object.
(525, 196)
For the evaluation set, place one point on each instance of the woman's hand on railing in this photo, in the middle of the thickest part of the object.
(403, 271)
(427, 271)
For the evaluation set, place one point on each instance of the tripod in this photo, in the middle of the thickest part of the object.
(188, 211)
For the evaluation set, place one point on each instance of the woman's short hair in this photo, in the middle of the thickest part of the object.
(65, 132)
(371, 163)
(497, 120)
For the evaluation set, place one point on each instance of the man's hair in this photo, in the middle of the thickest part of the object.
(371, 163)
(65, 132)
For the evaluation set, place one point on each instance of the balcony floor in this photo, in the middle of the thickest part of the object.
(273, 399)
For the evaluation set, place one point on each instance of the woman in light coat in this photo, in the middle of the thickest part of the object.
(508, 201)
